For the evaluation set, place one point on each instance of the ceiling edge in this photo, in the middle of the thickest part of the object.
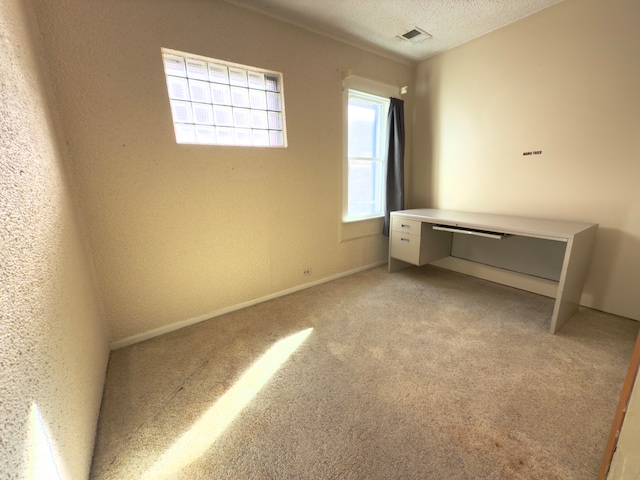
(492, 30)
(361, 46)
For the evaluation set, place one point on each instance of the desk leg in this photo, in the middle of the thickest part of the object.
(574, 273)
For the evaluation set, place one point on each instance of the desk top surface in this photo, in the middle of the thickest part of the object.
(536, 227)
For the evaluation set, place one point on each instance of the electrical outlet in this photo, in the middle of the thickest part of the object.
(306, 272)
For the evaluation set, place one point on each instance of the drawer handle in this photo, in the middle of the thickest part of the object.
(406, 226)
(405, 240)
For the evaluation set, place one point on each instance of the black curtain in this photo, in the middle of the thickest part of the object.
(395, 161)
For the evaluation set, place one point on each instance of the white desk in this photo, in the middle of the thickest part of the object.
(422, 236)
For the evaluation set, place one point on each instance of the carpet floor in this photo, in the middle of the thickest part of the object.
(423, 373)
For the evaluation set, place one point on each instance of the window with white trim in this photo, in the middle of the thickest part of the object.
(221, 103)
(366, 155)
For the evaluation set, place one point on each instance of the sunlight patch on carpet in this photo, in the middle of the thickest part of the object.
(199, 438)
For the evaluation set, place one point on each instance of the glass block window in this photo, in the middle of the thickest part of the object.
(220, 103)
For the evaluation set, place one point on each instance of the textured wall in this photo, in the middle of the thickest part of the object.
(53, 347)
(179, 231)
(564, 81)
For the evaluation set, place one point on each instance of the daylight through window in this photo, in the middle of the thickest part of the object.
(221, 103)
(366, 154)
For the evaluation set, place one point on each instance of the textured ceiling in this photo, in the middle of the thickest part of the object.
(376, 24)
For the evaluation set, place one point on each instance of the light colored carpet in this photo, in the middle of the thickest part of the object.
(423, 373)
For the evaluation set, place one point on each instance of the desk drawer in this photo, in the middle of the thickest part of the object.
(406, 247)
(404, 225)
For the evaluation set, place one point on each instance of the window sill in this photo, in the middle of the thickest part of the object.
(349, 220)
(356, 228)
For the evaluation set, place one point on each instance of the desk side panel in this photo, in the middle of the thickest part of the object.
(572, 278)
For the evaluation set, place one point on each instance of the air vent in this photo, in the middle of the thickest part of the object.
(415, 35)
(411, 33)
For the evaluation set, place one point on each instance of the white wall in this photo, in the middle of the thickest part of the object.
(563, 81)
(177, 231)
(53, 347)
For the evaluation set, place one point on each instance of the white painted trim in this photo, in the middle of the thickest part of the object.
(350, 81)
(541, 286)
(125, 342)
(376, 93)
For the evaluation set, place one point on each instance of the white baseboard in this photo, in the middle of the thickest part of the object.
(541, 286)
(232, 308)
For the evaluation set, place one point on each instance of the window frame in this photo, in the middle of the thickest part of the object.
(228, 110)
(365, 88)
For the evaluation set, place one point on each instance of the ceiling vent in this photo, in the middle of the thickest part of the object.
(415, 35)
